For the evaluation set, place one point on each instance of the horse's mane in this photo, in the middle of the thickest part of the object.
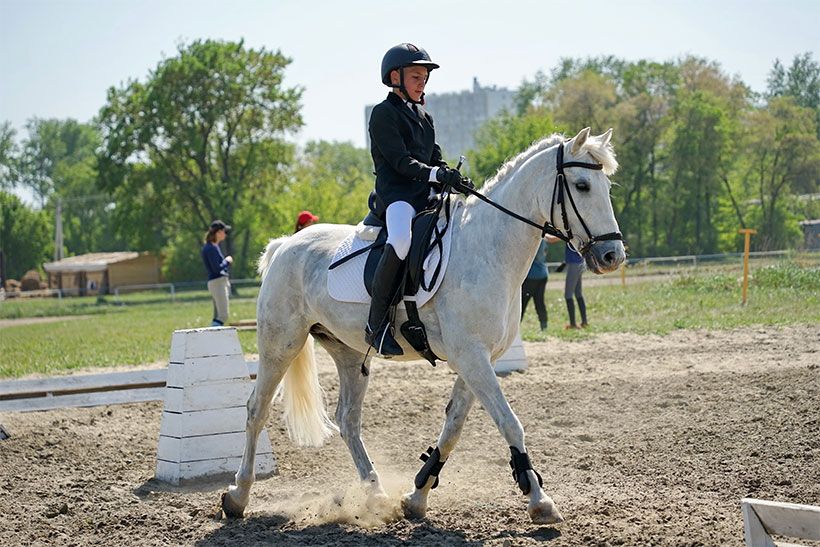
(601, 152)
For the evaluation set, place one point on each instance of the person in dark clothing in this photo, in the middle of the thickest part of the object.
(535, 284)
(217, 266)
(408, 165)
(572, 286)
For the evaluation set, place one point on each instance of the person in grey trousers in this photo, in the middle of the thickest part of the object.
(573, 287)
(217, 266)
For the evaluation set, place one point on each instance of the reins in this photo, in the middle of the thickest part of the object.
(561, 188)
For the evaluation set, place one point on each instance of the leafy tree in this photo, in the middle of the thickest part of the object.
(782, 154)
(333, 179)
(25, 236)
(203, 137)
(57, 162)
(801, 81)
(504, 137)
(8, 157)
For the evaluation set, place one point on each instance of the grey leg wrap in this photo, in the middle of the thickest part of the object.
(432, 467)
(520, 464)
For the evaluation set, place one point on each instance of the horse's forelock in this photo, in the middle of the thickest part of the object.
(602, 152)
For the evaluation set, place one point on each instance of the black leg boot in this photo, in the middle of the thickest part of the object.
(571, 313)
(379, 331)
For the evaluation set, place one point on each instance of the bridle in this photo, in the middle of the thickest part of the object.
(560, 191)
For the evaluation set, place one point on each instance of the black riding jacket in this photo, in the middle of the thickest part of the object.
(404, 150)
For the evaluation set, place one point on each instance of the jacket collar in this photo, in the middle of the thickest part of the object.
(399, 103)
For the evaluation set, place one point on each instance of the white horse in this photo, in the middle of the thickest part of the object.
(470, 322)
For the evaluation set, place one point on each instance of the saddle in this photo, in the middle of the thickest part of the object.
(427, 236)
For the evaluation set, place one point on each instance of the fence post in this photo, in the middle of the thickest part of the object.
(623, 274)
(747, 233)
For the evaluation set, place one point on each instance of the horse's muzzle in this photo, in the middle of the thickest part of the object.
(605, 256)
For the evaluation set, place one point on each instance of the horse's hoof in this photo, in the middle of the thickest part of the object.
(545, 513)
(412, 509)
(230, 507)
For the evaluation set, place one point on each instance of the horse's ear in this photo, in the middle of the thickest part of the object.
(605, 137)
(579, 140)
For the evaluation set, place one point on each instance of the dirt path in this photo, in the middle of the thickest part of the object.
(641, 440)
(34, 320)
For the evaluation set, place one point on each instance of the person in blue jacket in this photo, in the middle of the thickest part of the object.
(407, 163)
(572, 286)
(535, 284)
(217, 266)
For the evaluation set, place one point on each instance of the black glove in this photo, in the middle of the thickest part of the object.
(446, 175)
(464, 186)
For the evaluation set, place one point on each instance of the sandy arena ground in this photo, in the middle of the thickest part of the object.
(641, 440)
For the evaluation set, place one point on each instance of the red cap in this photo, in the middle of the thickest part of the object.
(305, 217)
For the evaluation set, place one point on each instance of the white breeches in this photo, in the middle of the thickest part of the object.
(399, 224)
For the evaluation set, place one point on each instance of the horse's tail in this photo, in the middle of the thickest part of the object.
(305, 414)
(266, 258)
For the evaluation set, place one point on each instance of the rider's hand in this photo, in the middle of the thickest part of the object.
(449, 176)
(464, 186)
(229, 259)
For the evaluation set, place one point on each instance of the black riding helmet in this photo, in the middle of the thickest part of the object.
(400, 56)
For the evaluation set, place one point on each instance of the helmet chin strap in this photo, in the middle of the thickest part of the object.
(403, 90)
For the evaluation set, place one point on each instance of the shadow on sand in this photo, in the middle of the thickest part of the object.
(277, 529)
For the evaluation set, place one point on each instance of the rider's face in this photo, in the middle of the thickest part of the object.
(415, 78)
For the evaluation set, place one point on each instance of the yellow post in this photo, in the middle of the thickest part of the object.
(623, 274)
(747, 232)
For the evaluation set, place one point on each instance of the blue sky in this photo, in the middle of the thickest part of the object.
(57, 58)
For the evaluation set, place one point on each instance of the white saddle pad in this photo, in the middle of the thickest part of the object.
(346, 282)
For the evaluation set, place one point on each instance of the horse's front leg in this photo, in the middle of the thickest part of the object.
(475, 368)
(414, 503)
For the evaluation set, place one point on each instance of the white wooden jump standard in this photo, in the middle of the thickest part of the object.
(202, 435)
(514, 359)
(764, 519)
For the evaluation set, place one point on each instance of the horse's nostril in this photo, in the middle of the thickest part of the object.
(609, 257)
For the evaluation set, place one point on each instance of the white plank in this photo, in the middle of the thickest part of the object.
(753, 531)
(787, 519)
(227, 394)
(190, 472)
(58, 384)
(201, 370)
(205, 422)
(207, 447)
(84, 400)
(204, 343)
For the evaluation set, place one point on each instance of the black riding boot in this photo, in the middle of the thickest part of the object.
(379, 331)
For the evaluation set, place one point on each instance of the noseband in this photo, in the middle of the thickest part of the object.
(559, 193)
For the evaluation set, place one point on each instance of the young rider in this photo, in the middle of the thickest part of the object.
(407, 163)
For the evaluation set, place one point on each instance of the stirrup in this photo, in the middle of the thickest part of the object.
(377, 341)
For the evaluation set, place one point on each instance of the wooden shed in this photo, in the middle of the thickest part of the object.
(101, 273)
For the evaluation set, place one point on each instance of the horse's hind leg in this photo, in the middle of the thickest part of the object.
(275, 356)
(352, 389)
(414, 504)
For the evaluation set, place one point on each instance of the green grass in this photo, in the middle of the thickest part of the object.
(138, 330)
(781, 294)
(129, 334)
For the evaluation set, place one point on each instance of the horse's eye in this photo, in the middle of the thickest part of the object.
(582, 185)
